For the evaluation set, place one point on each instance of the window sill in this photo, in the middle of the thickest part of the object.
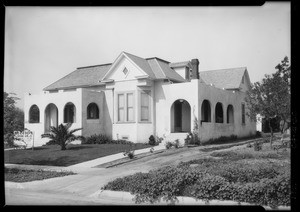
(145, 122)
(125, 122)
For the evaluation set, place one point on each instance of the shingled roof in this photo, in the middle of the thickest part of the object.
(155, 68)
(81, 77)
(224, 78)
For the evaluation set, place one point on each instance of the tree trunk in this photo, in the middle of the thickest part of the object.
(271, 129)
(63, 145)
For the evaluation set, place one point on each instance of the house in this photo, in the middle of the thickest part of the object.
(133, 98)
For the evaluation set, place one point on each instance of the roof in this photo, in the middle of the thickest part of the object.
(180, 64)
(84, 76)
(224, 78)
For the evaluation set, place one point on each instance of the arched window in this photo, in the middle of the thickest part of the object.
(69, 113)
(205, 111)
(219, 113)
(230, 116)
(34, 114)
(92, 111)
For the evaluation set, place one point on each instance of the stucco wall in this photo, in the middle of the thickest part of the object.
(59, 99)
(166, 95)
(215, 130)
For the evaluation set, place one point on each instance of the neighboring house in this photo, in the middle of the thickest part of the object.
(133, 98)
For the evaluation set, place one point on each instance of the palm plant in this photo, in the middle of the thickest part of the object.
(62, 136)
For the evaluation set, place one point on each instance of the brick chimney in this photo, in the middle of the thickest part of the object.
(195, 68)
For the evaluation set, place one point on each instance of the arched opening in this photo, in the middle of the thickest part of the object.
(51, 117)
(180, 116)
(205, 111)
(92, 111)
(34, 114)
(219, 113)
(69, 113)
(230, 117)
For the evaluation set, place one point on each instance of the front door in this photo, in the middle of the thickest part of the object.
(178, 116)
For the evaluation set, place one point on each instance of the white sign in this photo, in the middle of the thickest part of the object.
(23, 138)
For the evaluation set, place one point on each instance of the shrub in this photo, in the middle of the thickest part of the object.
(97, 139)
(129, 153)
(151, 140)
(258, 134)
(192, 139)
(168, 144)
(257, 146)
(169, 182)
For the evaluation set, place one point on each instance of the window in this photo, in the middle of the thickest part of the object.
(145, 104)
(125, 107)
(243, 113)
(34, 114)
(69, 113)
(92, 111)
(121, 107)
(130, 113)
(219, 113)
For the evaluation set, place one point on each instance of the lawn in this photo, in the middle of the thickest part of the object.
(243, 175)
(23, 175)
(52, 155)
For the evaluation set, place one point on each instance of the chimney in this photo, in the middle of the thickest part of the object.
(195, 67)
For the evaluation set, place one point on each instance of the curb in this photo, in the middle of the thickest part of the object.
(182, 200)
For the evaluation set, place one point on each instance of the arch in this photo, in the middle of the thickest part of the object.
(34, 114)
(219, 113)
(92, 111)
(180, 116)
(230, 114)
(51, 116)
(205, 111)
(69, 113)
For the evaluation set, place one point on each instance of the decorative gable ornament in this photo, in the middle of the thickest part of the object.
(125, 71)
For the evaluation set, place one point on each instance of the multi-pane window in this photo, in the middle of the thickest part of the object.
(130, 111)
(69, 113)
(34, 114)
(126, 107)
(243, 113)
(145, 104)
(121, 104)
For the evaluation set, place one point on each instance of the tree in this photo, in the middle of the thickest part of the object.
(62, 135)
(13, 117)
(271, 97)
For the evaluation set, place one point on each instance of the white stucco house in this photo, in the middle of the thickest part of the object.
(133, 98)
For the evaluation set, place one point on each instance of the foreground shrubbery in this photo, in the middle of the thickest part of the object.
(263, 184)
(103, 139)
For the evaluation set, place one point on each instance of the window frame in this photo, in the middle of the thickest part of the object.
(125, 107)
(87, 111)
(148, 92)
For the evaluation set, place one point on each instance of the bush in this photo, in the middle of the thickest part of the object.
(192, 139)
(222, 139)
(129, 153)
(96, 139)
(257, 146)
(151, 140)
(258, 134)
(103, 139)
(169, 182)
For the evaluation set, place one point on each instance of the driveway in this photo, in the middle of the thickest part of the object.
(81, 188)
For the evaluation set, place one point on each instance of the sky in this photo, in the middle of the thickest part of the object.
(43, 44)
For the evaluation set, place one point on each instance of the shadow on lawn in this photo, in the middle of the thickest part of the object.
(79, 147)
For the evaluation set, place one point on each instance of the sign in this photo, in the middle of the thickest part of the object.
(23, 138)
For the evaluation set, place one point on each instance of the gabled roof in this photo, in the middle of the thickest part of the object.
(224, 78)
(84, 76)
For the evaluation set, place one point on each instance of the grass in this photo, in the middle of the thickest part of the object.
(25, 175)
(52, 155)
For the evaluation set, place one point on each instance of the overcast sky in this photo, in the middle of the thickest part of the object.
(43, 44)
